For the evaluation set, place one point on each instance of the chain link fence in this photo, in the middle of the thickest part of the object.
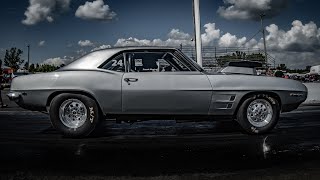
(216, 57)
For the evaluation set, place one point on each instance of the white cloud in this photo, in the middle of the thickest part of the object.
(297, 60)
(253, 44)
(101, 47)
(81, 52)
(41, 10)
(251, 9)
(297, 47)
(155, 42)
(301, 37)
(95, 10)
(85, 43)
(175, 38)
(58, 61)
(177, 34)
(41, 43)
(210, 35)
(229, 40)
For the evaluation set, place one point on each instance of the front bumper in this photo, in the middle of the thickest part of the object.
(290, 107)
(293, 100)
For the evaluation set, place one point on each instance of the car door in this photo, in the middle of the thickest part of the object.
(154, 85)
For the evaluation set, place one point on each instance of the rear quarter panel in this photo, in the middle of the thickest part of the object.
(104, 86)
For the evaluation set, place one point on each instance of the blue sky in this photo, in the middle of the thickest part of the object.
(61, 30)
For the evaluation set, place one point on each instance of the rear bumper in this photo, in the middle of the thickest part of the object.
(14, 96)
(24, 101)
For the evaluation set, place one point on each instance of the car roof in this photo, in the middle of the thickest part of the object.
(138, 48)
(94, 59)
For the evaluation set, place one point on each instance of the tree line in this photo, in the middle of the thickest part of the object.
(13, 60)
(239, 55)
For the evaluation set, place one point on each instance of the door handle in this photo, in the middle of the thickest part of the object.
(128, 80)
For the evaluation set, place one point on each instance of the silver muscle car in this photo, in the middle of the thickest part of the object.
(140, 83)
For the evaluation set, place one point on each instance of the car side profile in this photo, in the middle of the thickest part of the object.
(141, 83)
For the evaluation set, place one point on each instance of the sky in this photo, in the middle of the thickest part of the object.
(59, 31)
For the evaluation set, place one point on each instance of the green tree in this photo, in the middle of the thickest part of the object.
(308, 68)
(12, 58)
(283, 67)
(26, 66)
(32, 68)
(238, 56)
(37, 68)
(46, 68)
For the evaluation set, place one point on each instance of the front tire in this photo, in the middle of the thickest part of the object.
(74, 115)
(258, 114)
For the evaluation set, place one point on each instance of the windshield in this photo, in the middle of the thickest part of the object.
(196, 65)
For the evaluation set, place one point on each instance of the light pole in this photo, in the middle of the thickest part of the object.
(264, 39)
(28, 57)
(197, 29)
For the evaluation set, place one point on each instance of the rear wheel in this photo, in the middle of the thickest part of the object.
(74, 115)
(258, 114)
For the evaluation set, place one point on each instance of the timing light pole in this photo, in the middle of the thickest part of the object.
(264, 39)
(197, 30)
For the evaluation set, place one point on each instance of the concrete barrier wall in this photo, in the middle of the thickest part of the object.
(313, 94)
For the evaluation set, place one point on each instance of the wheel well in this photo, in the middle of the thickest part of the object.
(53, 95)
(272, 94)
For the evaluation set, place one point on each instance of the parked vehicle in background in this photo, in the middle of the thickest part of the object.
(7, 76)
(141, 83)
(314, 74)
(17, 74)
(241, 67)
(315, 70)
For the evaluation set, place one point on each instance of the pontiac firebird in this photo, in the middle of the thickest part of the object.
(141, 83)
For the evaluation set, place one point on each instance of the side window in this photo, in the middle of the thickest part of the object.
(115, 64)
(154, 62)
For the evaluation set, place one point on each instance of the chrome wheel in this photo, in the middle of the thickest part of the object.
(73, 113)
(259, 113)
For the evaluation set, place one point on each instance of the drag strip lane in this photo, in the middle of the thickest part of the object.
(29, 143)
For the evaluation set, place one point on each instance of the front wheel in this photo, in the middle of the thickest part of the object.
(258, 114)
(74, 115)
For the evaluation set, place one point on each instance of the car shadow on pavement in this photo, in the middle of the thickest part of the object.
(158, 127)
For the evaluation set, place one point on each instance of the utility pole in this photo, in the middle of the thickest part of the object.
(264, 39)
(28, 56)
(197, 30)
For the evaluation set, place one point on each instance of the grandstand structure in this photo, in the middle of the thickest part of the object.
(216, 57)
